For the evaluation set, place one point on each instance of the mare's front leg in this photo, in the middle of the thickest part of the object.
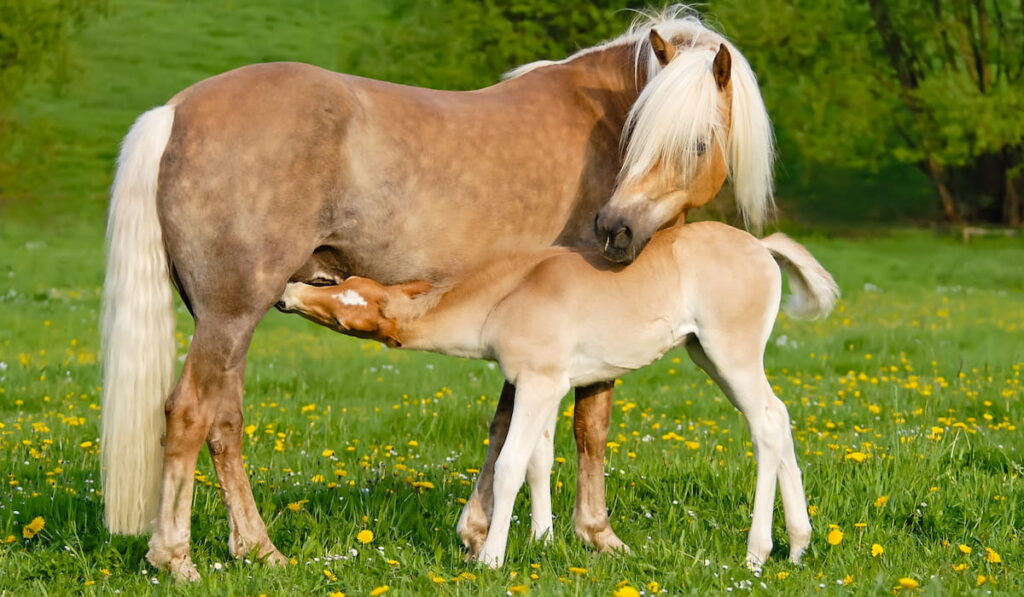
(536, 402)
(591, 419)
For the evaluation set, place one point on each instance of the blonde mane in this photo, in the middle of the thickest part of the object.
(677, 110)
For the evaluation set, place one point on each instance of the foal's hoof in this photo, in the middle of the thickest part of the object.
(754, 564)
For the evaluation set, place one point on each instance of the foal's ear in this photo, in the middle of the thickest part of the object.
(722, 67)
(662, 49)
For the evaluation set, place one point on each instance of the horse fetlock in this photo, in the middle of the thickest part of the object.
(177, 562)
(601, 537)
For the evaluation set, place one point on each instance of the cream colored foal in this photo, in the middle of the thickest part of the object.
(557, 318)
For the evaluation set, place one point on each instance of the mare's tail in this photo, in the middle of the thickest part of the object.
(813, 291)
(138, 331)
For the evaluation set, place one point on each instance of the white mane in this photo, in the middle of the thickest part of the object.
(678, 108)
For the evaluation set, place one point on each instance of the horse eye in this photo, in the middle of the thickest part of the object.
(701, 147)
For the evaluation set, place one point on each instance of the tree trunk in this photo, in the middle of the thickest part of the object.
(1011, 201)
(938, 176)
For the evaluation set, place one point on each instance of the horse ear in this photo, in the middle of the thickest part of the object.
(662, 49)
(722, 67)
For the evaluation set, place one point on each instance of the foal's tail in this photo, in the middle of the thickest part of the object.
(138, 331)
(813, 291)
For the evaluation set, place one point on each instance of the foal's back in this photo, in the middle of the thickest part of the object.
(597, 321)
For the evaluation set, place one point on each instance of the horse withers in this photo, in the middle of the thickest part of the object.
(553, 321)
(279, 173)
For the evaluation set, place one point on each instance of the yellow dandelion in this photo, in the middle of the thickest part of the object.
(990, 555)
(576, 570)
(908, 583)
(365, 536)
(10, 539)
(625, 591)
(330, 575)
(857, 456)
(296, 506)
(964, 548)
(85, 445)
(32, 529)
(982, 579)
(782, 575)
(336, 594)
(250, 429)
(467, 576)
(881, 501)
(877, 550)
(835, 537)
(959, 567)
(519, 590)
(654, 587)
(380, 590)
(327, 453)
(812, 510)
(440, 580)
(413, 443)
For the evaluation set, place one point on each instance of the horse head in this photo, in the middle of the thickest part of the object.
(698, 120)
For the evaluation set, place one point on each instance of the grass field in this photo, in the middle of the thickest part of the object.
(906, 402)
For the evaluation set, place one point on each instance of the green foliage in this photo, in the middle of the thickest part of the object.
(33, 37)
(856, 85)
(465, 44)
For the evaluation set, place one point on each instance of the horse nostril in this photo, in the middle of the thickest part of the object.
(623, 237)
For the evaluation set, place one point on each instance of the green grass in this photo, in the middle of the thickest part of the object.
(919, 370)
(927, 337)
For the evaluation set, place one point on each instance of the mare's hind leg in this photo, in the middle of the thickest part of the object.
(212, 375)
(248, 533)
(591, 419)
(738, 369)
(476, 514)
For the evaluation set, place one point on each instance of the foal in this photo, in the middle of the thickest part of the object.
(558, 318)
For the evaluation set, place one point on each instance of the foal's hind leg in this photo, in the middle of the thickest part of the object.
(739, 370)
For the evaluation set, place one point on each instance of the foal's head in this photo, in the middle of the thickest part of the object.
(698, 120)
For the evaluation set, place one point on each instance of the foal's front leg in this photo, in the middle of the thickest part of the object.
(476, 514)
(536, 401)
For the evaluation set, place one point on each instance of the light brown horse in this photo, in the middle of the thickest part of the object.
(556, 319)
(286, 172)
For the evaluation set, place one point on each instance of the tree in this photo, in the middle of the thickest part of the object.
(935, 84)
(32, 37)
(465, 44)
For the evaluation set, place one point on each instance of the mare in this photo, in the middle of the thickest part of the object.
(284, 172)
(552, 320)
